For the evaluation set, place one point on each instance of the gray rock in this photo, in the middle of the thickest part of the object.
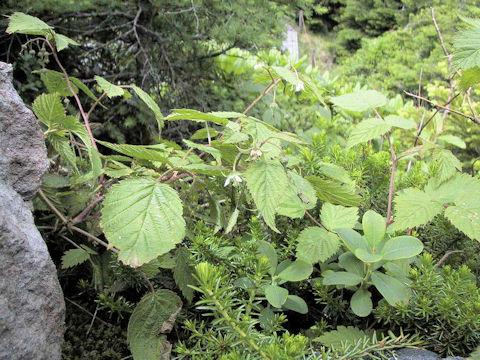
(32, 308)
(23, 156)
(417, 354)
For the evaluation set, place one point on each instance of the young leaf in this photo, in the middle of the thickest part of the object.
(297, 271)
(296, 303)
(267, 181)
(361, 303)
(276, 295)
(402, 247)
(360, 101)
(110, 89)
(367, 130)
(392, 290)
(414, 207)
(26, 24)
(366, 256)
(374, 228)
(315, 244)
(267, 250)
(342, 278)
(153, 317)
(143, 219)
(74, 257)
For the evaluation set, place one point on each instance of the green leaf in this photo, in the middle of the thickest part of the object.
(353, 240)
(366, 256)
(110, 89)
(342, 278)
(153, 317)
(448, 164)
(203, 134)
(267, 181)
(79, 84)
(469, 78)
(402, 247)
(296, 303)
(299, 196)
(62, 42)
(204, 148)
(153, 153)
(366, 130)
(334, 193)
(62, 146)
(414, 207)
(152, 105)
(374, 227)
(338, 217)
(74, 257)
(49, 109)
(351, 263)
(315, 244)
(361, 303)
(343, 336)
(232, 221)
(392, 290)
(335, 172)
(276, 295)
(266, 249)
(297, 271)
(143, 219)
(183, 273)
(400, 122)
(194, 115)
(360, 101)
(453, 140)
(466, 218)
(467, 49)
(55, 83)
(26, 24)
(286, 74)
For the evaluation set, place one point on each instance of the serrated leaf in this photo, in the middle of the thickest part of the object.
(110, 89)
(49, 109)
(143, 219)
(374, 228)
(366, 256)
(400, 122)
(296, 303)
(448, 165)
(334, 193)
(297, 271)
(267, 181)
(299, 196)
(342, 336)
(391, 289)
(469, 78)
(26, 24)
(74, 257)
(183, 273)
(315, 244)
(335, 172)
(414, 207)
(401, 247)
(55, 83)
(151, 104)
(276, 295)
(194, 115)
(342, 278)
(361, 303)
(360, 101)
(338, 217)
(466, 218)
(62, 42)
(62, 146)
(153, 317)
(467, 49)
(366, 130)
(144, 152)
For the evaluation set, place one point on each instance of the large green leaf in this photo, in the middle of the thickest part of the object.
(392, 290)
(143, 219)
(361, 303)
(267, 181)
(360, 101)
(374, 228)
(366, 256)
(402, 247)
(467, 48)
(351, 263)
(334, 193)
(413, 207)
(26, 24)
(315, 244)
(297, 271)
(342, 278)
(276, 295)
(367, 130)
(353, 240)
(466, 218)
(338, 217)
(153, 317)
(49, 109)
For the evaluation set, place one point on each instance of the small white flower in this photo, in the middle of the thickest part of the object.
(300, 86)
(234, 178)
(256, 153)
(258, 65)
